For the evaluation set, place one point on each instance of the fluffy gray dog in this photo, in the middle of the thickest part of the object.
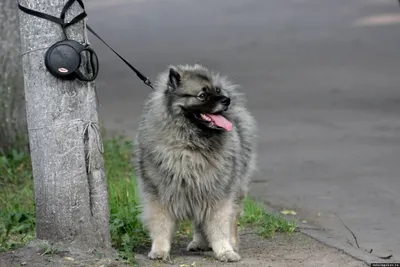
(194, 155)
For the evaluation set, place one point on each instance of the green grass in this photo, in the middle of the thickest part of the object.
(127, 230)
(17, 210)
(255, 215)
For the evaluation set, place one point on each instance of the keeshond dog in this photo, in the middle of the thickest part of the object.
(194, 155)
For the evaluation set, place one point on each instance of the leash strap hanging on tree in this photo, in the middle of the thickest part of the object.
(63, 59)
(61, 21)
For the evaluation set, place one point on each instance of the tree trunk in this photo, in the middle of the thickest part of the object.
(71, 193)
(13, 133)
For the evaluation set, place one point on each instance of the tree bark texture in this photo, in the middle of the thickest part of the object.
(71, 194)
(13, 132)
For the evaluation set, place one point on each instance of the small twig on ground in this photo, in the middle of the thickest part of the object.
(386, 257)
(355, 238)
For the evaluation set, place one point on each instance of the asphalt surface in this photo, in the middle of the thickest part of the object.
(322, 79)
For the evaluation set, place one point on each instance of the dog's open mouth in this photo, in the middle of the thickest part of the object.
(216, 120)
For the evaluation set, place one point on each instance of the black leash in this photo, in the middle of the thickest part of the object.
(79, 17)
(59, 20)
(138, 73)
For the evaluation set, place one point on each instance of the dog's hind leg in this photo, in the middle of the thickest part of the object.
(199, 242)
(218, 229)
(238, 206)
(234, 231)
(161, 227)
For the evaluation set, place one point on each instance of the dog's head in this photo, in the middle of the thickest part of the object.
(195, 93)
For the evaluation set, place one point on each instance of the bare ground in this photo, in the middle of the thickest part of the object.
(283, 250)
(39, 253)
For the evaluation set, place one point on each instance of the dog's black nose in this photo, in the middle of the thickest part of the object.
(226, 101)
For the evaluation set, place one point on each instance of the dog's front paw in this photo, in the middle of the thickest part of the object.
(198, 246)
(159, 255)
(229, 256)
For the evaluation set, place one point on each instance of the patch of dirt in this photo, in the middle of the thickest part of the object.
(40, 253)
(283, 250)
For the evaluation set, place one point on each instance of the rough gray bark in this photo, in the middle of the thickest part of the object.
(13, 133)
(71, 193)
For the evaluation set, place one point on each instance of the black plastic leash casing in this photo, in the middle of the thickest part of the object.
(63, 60)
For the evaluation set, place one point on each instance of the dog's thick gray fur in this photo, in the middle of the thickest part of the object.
(188, 171)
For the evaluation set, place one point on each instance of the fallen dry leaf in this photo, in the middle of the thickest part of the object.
(286, 212)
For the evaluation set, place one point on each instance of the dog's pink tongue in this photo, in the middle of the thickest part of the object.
(220, 121)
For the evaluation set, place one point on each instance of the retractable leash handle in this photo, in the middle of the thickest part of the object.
(94, 63)
(68, 69)
(63, 58)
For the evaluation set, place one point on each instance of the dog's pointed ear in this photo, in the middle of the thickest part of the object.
(174, 79)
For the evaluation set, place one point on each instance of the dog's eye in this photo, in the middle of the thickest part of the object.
(218, 90)
(202, 96)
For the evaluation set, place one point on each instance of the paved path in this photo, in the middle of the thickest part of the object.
(322, 78)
